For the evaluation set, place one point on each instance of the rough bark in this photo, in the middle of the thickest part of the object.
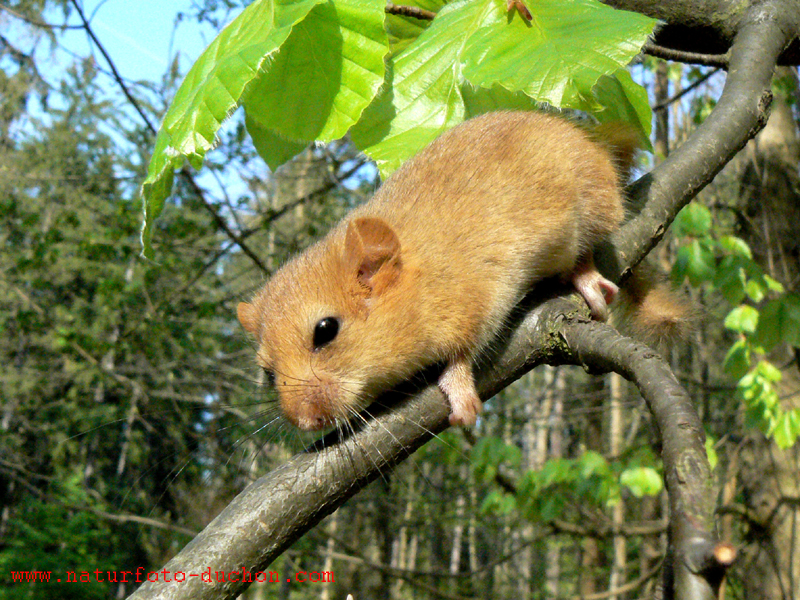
(705, 27)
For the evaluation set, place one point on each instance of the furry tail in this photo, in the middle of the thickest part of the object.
(650, 309)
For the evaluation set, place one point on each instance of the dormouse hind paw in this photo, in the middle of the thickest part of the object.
(598, 291)
(458, 385)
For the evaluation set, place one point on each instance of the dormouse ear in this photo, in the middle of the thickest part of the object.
(248, 317)
(372, 251)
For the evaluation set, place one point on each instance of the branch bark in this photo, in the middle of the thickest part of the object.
(707, 26)
(742, 111)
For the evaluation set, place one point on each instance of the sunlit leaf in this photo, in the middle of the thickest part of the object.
(211, 91)
(474, 45)
(557, 57)
(642, 481)
(422, 95)
(737, 361)
(271, 146)
(327, 72)
(743, 319)
(624, 100)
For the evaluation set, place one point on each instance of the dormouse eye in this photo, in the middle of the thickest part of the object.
(325, 331)
(269, 378)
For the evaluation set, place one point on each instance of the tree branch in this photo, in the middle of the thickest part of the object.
(686, 469)
(686, 90)
(706, 26)
(208, 206)
(741, 112)
(710, 60)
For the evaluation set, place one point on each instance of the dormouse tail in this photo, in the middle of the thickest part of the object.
(650, 309)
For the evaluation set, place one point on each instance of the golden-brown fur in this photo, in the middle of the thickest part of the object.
(429, 268)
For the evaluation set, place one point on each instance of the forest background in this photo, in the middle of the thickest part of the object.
(131, 410)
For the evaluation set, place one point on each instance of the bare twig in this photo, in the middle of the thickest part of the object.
(36, 22)
(686, 90)
(709, 60)
(112, 66)
(410, 11)
(208, 206)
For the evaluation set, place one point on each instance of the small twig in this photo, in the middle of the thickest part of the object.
(112, 66)
(218, 220)
(627, 587)
(149, 522)
(37, 23)
(709, 60)
(686, 90)
(410, 11)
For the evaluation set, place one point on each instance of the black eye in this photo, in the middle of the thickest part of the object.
(269, 378)
(325, 331)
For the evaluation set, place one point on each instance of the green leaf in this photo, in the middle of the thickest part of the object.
(422, 95)
(489, 453)
(698, 261)
(731, 280)
(404, 30)
(555, 471)
(711, 452)
(755, 290)
(271, 146)
(693, 220)
(787, 429)
(593, 463)
(426, 91)
(737, 361)
(743, 319)
(768, 371)
(481, 100)
(791, 325)
(326, 73)
(774, 286)
(736, 246)
(551, 507)
(779, 322)
(624, 100)
(642, 481)
(211, 91)
(557, 57)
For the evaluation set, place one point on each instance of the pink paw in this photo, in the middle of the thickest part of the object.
(458, 385)
(464, 412)
(598, 291)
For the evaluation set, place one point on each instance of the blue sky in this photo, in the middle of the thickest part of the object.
(140, 37)
(137, 34)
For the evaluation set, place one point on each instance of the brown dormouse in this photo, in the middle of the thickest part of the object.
(430, 267)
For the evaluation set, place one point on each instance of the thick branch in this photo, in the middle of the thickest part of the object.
(277, 509)
(706, 26)
(686, 469)
(742, 111)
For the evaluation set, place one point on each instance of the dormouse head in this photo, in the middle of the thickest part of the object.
(323, 324)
